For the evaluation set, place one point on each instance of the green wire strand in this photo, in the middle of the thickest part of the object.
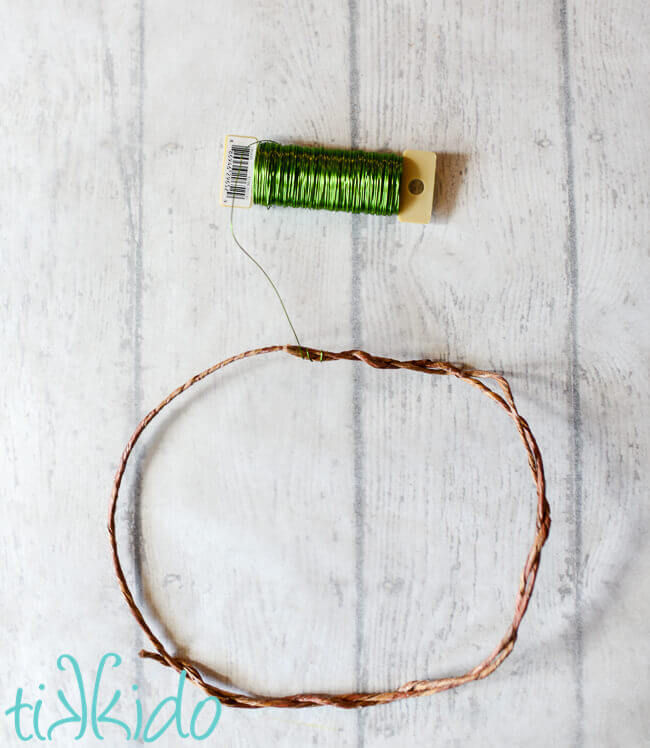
(258, 265)
(327, 179)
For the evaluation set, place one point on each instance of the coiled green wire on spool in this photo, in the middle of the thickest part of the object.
(327, 179)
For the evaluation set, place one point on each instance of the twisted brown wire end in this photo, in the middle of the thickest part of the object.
(502, 396)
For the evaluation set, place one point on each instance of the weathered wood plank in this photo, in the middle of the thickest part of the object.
(247, 507)
(608, 73)
(69, 109)
(449, 504)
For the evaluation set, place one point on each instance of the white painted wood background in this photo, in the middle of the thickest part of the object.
(327, 528)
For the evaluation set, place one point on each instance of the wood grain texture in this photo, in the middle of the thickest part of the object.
(263, 592)
(429, 552)
(609, 72)
(396, 512)
(66, 332)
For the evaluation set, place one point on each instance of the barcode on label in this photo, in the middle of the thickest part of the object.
(237, 178)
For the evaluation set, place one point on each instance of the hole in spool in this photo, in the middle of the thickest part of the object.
(416, 186)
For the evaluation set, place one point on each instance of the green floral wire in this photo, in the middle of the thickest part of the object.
(329, 179)
(320, 178)
(258, 264)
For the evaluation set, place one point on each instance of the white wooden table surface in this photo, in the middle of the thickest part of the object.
(327, 528)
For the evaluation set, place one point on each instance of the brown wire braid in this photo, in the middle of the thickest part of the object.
(414, 688)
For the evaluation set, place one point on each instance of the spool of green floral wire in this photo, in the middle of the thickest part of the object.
(329, 179)
(265, 172)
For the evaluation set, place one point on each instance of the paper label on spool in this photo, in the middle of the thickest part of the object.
(237, 171)
(416, 187)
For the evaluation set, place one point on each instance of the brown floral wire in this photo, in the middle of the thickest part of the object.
(474, 377)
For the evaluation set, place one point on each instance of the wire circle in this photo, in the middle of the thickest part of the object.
(474, 377)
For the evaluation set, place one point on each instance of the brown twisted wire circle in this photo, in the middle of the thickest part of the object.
(412, 688)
